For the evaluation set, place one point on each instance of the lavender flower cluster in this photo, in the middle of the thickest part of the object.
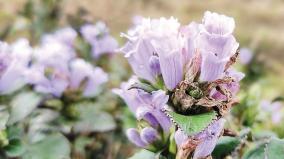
(177, 68)
(53, 67)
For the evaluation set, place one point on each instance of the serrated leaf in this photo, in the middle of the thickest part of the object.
(225, 146)
(192, 124)
(143, 154)
(52, 147)
(22, 105)
(273, 149)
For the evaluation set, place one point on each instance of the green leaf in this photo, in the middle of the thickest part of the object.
(143, 154)
(52, 147)
(274, 149)
(225, 146)
(92, 119)
(22, 105)
(15, 148)
(143, 86)
(192, 124)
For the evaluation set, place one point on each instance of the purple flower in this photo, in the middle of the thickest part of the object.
(233, 87)
(66, 36)
(147, 106)
(144, 44)
(216, 44)
(134, 136)
(208, 138)
(81, 70)
(147, 136)
(218, 24)
(169, 50)
(245, 56)
(14, 61)
(275, 109)
(190, 33)
(49, 71)
(98, 37)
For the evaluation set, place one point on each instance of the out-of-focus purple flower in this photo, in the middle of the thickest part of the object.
(216, 44)
(145, 105)
(66, 36)
(208, 138)
(246, 56)
(81, 70)
(56, 69)
(140, 46)
(49, 71)
(14, 61)
(99, 38)
(275, 109)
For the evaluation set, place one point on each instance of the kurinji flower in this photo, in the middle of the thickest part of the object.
(145, 105)
(14, 61)
(56, 69)
(190, 33)
(216, 44)
(169, 51)
(233, 86)
(245, 56)
(98, 37)
(140, 49)
(275, 109)
(80, 71)
(194, 62)
(207, 139)
(134, 136)
(143, 138)
(66, 36)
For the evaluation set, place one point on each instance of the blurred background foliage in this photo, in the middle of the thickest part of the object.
(259, 27)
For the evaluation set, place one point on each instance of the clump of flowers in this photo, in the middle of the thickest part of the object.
(56, 69)
(184, 83)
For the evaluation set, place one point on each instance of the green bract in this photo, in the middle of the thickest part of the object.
(192, 124)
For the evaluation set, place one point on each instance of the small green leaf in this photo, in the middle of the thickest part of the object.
(273, 149)
(143, 86)
(22, 105)
(15, 148)
(143, 154)
(52, 147)
(92, 119)
(225, 146)
(192, 124)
